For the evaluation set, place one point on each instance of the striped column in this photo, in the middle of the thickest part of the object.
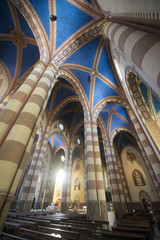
(12, 109)
(114, 179)
(126, 193)
(66, 189)
(96, 201)
(5, 101)
(149, 167)
(20, 122)
(141, 47)
(29, 145)
(153, 160)
(33, 175)
(18, 193)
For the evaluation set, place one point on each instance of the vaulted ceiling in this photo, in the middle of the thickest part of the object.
(74, 44)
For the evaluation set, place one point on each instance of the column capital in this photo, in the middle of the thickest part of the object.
(40, 64)
(52, 68)
(103, 23)
(9, 96)
(88, 123)
(49, 127)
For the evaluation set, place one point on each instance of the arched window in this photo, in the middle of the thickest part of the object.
(77, 184)
(61, 126)
(138, 178)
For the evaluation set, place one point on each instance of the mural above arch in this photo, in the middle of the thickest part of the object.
(147, 106)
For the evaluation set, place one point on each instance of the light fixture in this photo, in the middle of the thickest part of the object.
(53, 17)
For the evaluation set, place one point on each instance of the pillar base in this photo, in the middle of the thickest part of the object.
(96, 211)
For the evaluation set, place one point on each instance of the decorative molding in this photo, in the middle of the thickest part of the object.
(75, 44)
(138, 98)
(18, 38)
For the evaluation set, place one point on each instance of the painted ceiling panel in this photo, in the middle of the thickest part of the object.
(60, 95)
(42, 9)
(104, 116)
(85, 55)
(81, 132)
(79, 118)
(117, 122)
(30, 56)
(8, 59)
(62, 92)
(122, 111)
(102, 90)
(83, 78)
(156, 104)
(127, 140)
(144, 93)
(71, 105)
(68, 118)
(57, 143)
(123, 139)
(104, 67)
(51, 142)
(5, 18)
(76, 154)
(24, 26)
(65, 82)
(69, 20)
(109, 107)
(59, 136)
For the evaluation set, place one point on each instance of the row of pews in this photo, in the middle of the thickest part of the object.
(55, 226)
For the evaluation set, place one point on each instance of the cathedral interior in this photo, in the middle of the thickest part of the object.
(79, 106)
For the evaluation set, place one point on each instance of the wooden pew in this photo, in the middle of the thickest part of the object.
(91, 221)
(37, 220)
(130, 229)
(26, 224)
(136, 225)
(123, 235)
(12, 237)
(99, 224)
(12, 227)
(74, 224)
(145, 221)
(134, 230)
(52, 220)
(64, 233)
(82, 231)
(38, 235)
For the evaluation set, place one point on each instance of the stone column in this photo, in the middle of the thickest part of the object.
(18, 120)
(30, 184)
(66, 189)
(96, 201)
(5, 101)
(114, 179)
(126, 193)
(154, 163)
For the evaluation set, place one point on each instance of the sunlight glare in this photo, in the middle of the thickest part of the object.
(60, 176)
